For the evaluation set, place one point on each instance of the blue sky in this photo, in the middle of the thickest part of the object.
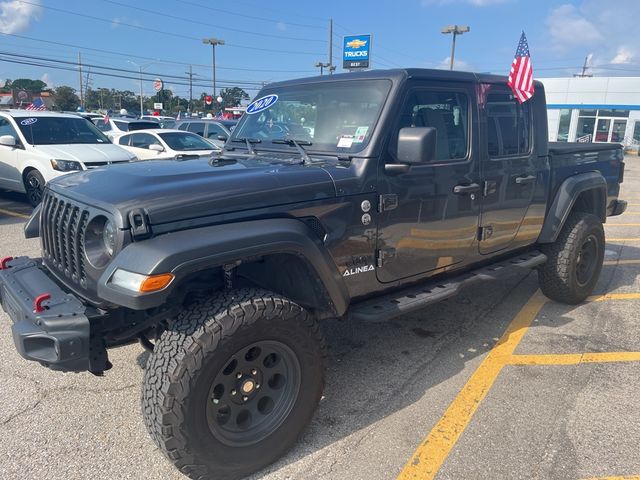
(280, 39)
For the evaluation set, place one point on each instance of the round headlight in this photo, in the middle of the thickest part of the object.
(109, 238)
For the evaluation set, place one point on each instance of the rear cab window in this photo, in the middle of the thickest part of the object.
(508, 124)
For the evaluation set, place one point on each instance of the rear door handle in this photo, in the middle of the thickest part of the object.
(527, 179)
(463, 189)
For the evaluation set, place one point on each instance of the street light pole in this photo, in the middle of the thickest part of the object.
(455, 30)
(140, 67)
(213, 42)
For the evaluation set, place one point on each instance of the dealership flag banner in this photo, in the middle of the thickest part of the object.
(521, 76)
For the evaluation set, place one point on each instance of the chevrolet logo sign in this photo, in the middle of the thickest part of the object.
(357, 43)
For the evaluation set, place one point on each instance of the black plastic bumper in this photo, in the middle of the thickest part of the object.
(618, 208)
(59, 336)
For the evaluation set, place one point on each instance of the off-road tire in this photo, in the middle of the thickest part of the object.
(34, 187)
(195, 348)
(558, 277)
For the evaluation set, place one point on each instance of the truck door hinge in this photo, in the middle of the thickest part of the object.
(484, 233)
(387, 202)
(383, 255)
(489, 188)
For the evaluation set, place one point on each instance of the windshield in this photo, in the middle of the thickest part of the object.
(59, 131)
(337, 117)
(184, 142)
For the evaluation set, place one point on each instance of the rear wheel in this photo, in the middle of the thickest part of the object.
(34, 187)
(574, 260)
(232, 383)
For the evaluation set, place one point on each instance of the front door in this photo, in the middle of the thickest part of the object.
(424, 226)
(508, 169)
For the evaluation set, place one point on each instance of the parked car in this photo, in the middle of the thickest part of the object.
(217, 131)
(36, 147)
(415, 184)
(116, 125)
(161, 144)
(163, 120)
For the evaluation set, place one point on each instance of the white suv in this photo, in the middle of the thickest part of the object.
(36, 147)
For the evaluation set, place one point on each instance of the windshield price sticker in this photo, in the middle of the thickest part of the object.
(28, 121)
(261, 104)
(345, 141)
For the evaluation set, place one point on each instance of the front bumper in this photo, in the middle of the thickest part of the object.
(618, 207)
(59, 337)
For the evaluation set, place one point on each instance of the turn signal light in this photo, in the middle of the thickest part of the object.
(154, 283)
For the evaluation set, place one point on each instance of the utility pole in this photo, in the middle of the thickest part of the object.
(213, 42)
(330, 61)
(585, 66)
(455, 30)
(190, 73)
(80, 71)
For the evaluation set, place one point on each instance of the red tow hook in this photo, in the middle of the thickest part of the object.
(37, 303)
(4, 261)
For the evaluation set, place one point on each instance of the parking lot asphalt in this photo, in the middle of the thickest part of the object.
(496, 383)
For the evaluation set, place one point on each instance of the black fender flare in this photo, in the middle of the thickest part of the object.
(185, 252)
(565, 199)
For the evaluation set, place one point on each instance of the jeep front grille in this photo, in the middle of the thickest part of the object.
(62, 227)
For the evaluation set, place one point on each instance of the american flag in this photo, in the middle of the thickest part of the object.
(521, 76)
(37, 104)
(105, 119)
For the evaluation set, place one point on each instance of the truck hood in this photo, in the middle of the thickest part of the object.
(170, 190)
(85, 153)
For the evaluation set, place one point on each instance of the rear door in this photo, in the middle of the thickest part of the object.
(425, 226)
(10, 173)
(508, 168)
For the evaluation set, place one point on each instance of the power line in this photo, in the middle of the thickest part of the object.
(153, 30)
(218, 27)
(131, 55)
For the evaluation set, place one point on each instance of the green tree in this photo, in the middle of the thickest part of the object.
(29, 85)
(231, 97)
(65, 98)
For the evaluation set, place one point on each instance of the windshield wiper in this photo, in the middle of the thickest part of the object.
(249, 142)
(295, 143)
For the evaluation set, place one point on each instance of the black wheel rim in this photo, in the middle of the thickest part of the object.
(253, 393)
(34, 189)
(586, 262)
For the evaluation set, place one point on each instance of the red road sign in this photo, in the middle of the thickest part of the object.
(208, 100)
(157, 84)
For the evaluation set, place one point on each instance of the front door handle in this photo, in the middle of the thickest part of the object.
(527, 179)
(464, 189)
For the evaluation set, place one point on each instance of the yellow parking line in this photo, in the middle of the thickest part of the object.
(573, 358)
(13, 214)
(432, 452)
(628, 477)
(613, 296)
(622, 224)
(621, 262)
(636, 239)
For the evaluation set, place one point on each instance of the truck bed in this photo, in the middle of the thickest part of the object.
(563, 148)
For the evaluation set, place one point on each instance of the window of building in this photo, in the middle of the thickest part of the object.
(563, 125)
(636, 133)
(602, 125)
(509, 125)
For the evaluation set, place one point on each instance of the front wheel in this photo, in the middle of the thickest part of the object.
(34, 187)
(232, 383)
(574, 260)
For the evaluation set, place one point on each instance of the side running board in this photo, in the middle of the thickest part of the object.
(388, 306)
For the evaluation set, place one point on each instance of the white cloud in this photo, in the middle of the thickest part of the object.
(16, 16)
(47, 79)
(281, 26)
(457, 65)
(624, 55)
(598, 27)
(119, 21)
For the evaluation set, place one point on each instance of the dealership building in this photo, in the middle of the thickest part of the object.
(594, 109)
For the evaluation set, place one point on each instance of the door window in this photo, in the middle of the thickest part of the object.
(508, 125)
(636, 133)
(124, 140)
(585, 128)
(617, 131)
(448, 113)
(143, 140)
(7, 129)
(196, 127)
(563, 125)
(602, 131)
(213, 130)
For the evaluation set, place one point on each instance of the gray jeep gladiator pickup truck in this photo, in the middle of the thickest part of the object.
(360, 196)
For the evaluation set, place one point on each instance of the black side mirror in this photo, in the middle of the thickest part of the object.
(416, 145)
